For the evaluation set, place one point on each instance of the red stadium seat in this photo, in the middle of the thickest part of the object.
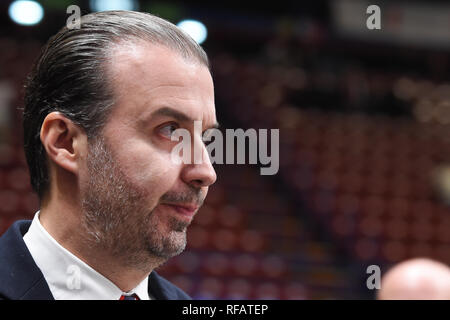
(238, 289)
(244, 264)
(224, 239)
(216, 264)
(267, 291)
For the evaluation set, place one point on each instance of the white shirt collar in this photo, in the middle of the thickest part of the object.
(68, 277)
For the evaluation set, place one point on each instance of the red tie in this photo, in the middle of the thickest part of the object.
(132, 297)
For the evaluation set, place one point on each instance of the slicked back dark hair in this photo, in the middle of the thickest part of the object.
(70, 76)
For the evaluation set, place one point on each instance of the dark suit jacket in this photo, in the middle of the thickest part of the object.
(21, 279)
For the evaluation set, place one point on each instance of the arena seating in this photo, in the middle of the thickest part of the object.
(353, 188)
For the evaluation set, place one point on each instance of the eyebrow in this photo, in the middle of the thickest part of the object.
(177, 115)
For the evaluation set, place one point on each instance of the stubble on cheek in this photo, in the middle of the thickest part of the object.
(112, 205)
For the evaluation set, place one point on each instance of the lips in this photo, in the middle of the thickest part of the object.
(187, 210)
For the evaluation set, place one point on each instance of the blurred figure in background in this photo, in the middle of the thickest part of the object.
(416, 279)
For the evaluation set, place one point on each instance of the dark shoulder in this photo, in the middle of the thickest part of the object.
(161, 288)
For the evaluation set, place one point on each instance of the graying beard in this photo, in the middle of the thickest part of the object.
(102, 223)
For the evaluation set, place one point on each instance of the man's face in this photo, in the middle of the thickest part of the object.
(136, 201)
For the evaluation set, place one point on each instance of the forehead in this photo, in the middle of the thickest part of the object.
(146, 76)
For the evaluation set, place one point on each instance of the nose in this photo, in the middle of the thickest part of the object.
(200, 174)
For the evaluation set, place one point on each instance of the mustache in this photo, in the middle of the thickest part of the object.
(194, 196)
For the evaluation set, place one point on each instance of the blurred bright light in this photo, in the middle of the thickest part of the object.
(26, 13)
(106, 5)
(195, 29)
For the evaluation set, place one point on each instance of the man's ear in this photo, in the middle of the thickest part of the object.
(65, 142)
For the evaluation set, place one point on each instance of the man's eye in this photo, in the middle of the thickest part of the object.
(168, 130)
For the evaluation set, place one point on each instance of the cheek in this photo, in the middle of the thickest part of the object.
(150, 169)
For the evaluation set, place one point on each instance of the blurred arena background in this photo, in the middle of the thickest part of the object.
(364, 119)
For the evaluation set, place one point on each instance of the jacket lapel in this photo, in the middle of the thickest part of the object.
(20, 277)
